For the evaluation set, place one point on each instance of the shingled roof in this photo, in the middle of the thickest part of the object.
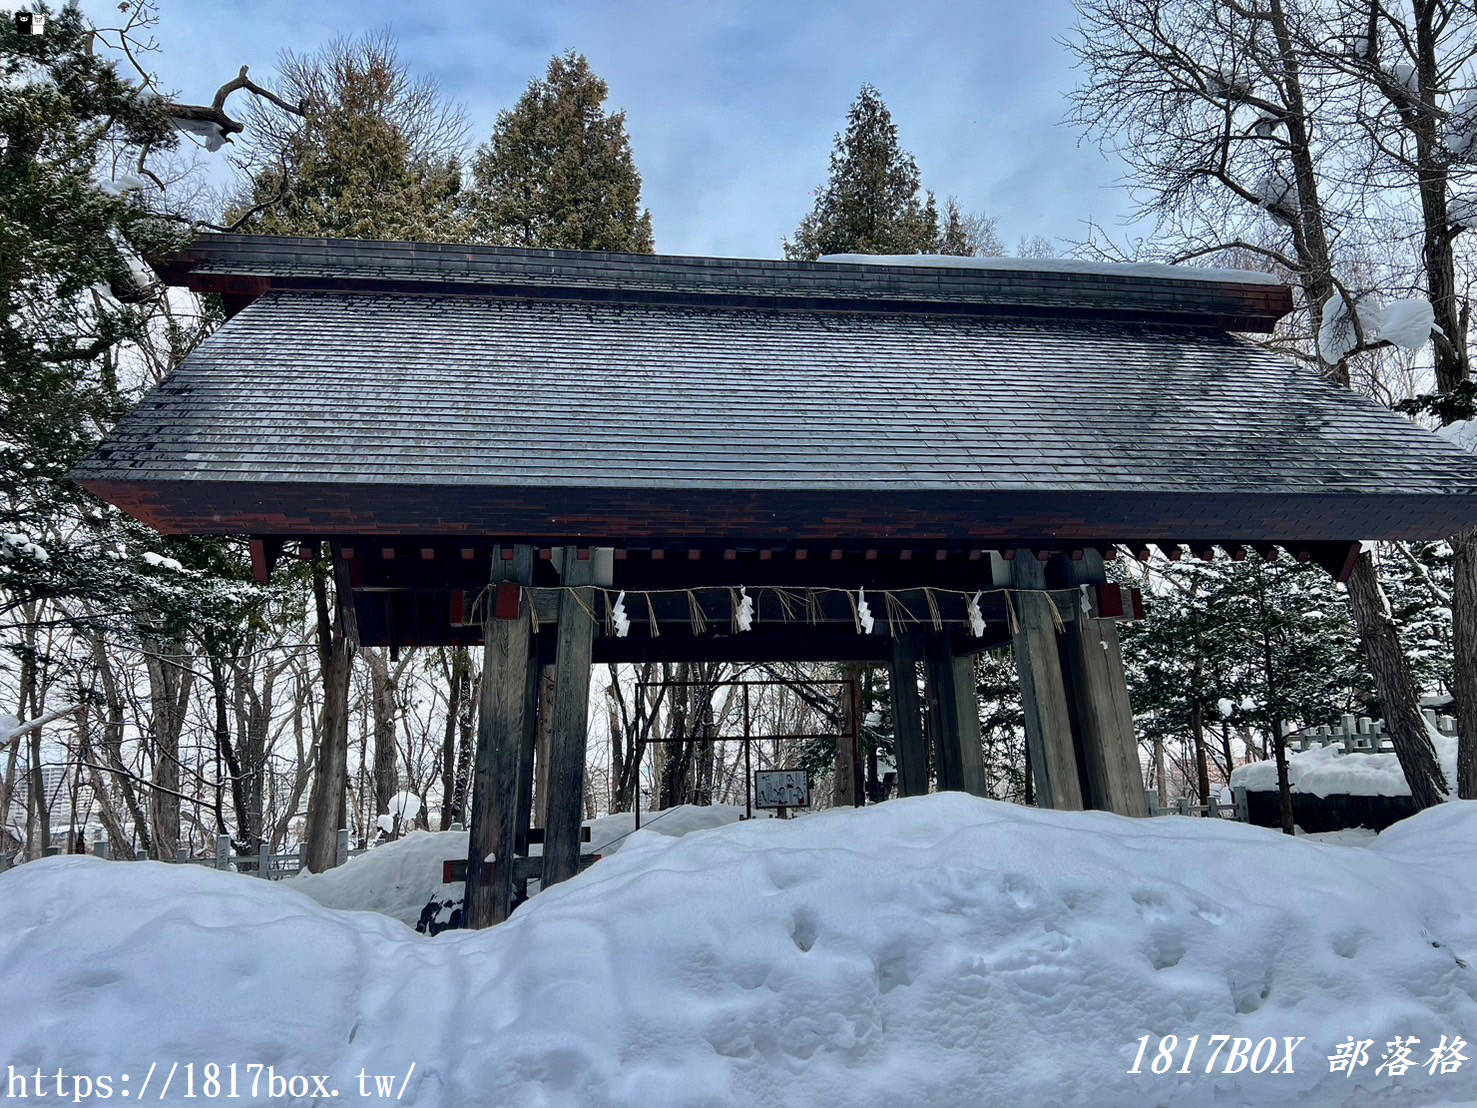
(395, 388)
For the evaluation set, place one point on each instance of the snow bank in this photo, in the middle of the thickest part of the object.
(942, 950)
(1063, 265)
(398, 878)
(1328, 771)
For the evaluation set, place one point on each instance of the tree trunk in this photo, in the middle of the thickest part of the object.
(844, 794)
(326, 810)
(1464, 675)
(1284, 786)
(227, 762)
(448, 741)
(382, 704)
(113, 741)
(38, 811)
(170, 680)
(466, 735)
(1403, 721)
(1197, 733)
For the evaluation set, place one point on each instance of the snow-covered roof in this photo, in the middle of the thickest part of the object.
(1156, 270)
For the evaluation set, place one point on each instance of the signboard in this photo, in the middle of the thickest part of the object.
(781, 788)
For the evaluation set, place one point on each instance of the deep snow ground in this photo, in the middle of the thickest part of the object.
(397, 878)
(937, 951)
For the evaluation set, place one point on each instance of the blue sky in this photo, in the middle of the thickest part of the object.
(731, 107)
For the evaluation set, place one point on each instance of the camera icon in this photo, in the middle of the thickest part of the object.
(30, 23)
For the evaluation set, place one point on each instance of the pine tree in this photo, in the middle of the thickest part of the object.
(72, 287)
(871, 204)
(375, 155)
(558, 171)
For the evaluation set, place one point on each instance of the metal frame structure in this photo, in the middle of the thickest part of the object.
(748, 738)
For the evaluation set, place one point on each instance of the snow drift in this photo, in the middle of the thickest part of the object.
(398, 878)
(942, 951)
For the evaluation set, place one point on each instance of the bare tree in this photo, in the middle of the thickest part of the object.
(1209, 102)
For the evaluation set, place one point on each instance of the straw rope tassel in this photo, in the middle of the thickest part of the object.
(1056, 613)
(933, 610)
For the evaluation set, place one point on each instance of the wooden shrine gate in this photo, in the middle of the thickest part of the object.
(900, 463)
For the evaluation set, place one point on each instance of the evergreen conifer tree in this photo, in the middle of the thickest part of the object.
(872, 202)
(72, 286)
(558, 171)
(374, 156)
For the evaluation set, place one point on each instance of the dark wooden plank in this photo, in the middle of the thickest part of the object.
(575, 635)
(500, 737)
(907, 716)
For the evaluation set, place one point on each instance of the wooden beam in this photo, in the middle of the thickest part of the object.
(500, 737)
(1043, 692)
(1097, 694)
(1337, 558)
(575, 635)
(907, 716)
(264, 555)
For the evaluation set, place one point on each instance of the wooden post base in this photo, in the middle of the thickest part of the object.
(507, 634)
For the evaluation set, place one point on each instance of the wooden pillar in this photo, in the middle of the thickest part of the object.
(954, 713)
(567, 741)
(910, 748)
(1043, 690)
(542, 731)
(534, 707)
(500, 738)
(845, 792)
(1097, 693)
